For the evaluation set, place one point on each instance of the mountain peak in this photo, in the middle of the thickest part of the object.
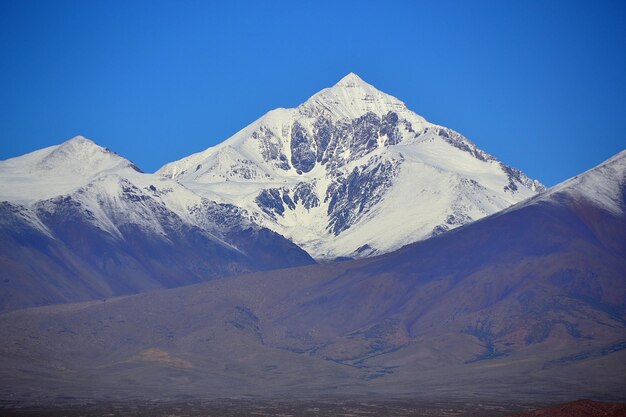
(80, 139)
(86, 156)
(343, 172)
(58, 169)
(603, 185)
(351, 81)
(80, 145)
(351, 98)
(78, 151)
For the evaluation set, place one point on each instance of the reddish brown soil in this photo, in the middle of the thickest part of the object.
(580, 408)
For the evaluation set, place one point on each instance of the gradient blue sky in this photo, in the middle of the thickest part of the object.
(539, 84)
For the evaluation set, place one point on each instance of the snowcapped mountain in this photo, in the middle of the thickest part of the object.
(353, 172)
(529, 303)
(79, 222)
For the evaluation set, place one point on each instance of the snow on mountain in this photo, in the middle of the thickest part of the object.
(96, 178)
(604, 186)
(89, 224)
(57, 170)
(353, 172)
(109, 189)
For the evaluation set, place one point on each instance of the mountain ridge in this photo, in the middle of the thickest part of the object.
(92, 225)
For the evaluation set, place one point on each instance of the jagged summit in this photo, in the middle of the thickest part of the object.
(353, 172)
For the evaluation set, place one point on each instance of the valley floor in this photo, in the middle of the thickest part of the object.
(284, 408)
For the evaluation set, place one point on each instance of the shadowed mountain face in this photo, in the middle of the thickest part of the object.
(92, 226)
(527, 304)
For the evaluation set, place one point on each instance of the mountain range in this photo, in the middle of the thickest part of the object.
(526, 305)
(350, 173)
(346, 248)
(80, 222)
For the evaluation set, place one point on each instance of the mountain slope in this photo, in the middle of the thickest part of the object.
(80, 222)
(527, 304)
(353, 172)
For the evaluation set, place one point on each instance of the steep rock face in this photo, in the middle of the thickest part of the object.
(303, 155)
(80, 222)
(379, 175)
(352, 196)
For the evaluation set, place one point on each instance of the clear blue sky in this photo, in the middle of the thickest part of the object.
(539, 84)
